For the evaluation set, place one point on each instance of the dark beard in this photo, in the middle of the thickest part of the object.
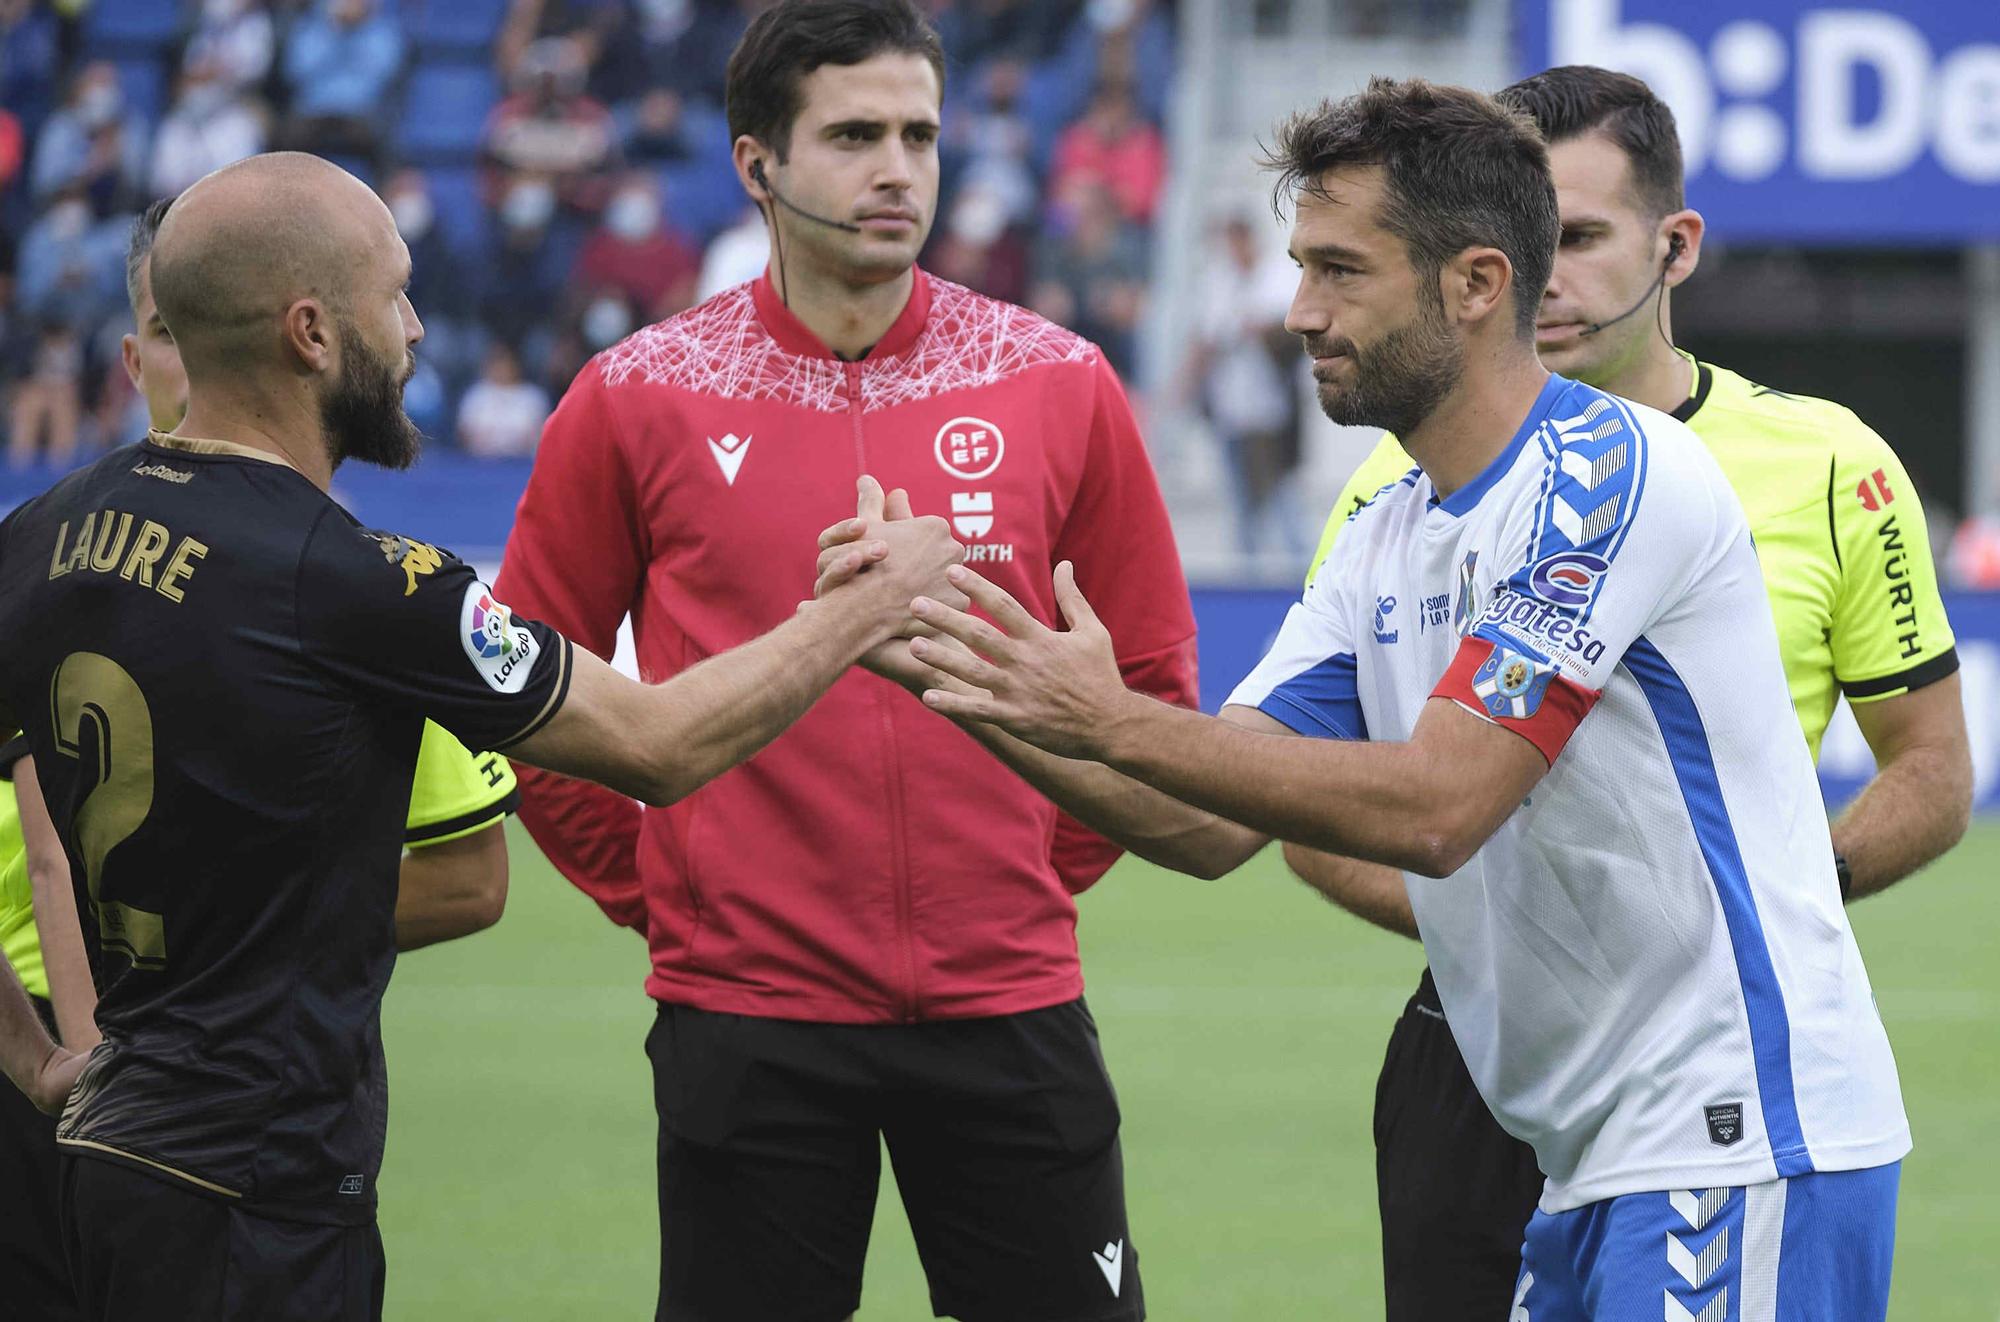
(1399, 379)
(363, 416)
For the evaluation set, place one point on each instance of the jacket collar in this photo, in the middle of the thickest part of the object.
(792, 336)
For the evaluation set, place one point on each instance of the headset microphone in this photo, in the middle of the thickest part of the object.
(1673, 252)
(764, 182)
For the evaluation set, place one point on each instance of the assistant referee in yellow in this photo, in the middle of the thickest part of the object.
(1847, 563)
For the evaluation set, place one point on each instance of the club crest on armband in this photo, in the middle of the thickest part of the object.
(1510, 684)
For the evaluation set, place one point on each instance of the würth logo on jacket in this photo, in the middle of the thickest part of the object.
(1874, 491)
(729, 452)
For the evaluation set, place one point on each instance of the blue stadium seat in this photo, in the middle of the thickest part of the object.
(444, 110)
(132, 22)
(460, 214)
(144, 81)
(458, 26)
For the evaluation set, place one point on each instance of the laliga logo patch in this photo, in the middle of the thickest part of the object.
(1567, 579)
(1511, 684)
(969, 448)
(500, 650)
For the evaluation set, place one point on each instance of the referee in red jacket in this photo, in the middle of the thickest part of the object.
(868, 930)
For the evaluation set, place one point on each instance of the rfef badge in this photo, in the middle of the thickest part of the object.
(1511, 684)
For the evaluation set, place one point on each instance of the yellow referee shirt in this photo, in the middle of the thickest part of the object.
(455, 793)
(1839, 531)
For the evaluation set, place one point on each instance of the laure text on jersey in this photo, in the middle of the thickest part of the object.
(100, 547)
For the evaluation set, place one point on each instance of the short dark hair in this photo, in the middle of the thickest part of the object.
(788, 41)
(140, 246)
(1577, 99)
(1459, 170)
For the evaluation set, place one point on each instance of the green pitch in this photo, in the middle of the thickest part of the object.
(1244, 1022)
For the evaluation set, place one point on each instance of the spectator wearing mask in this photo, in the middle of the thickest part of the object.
(94, 142)
(440, 286)
(549, 130)
(236, 39)
(998, 143)
(634, 253)
(523, 279)
(341, 61)
(1093, 279)
(980, 249)
(1115, 144)
(70, 263)
(210, 125)
(590, 27)
(502, 414)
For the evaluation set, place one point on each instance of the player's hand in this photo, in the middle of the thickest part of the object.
(889, 554)
(49, 1090)
(893, 661)
(1058, 691)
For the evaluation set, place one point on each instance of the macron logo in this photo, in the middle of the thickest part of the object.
(729, 452)
(1111, 1261)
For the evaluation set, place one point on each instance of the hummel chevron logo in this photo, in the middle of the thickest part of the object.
(1582, 529)
(1590, 472)
(1519, 1312)
(1111, 1261)
(1695, 1268)
(729, 452)
(1718, 1308)
(1698, 1212)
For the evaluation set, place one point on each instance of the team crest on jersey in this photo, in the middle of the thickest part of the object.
(1567, 579)
(1510, 684)
(500, 649)
(415, 559)
(969, 448)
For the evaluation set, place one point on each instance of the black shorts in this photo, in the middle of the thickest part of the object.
(1456, 1190)
(148, 1249)
(34, 1278)
(1004, 1136)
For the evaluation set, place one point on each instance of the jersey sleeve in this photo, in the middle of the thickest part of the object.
(1128, 565)
(1310, 679)
(1386, 464)
(1624, 523)
(576, 558)
(1889, 631)
(456, 791)
(404, 624)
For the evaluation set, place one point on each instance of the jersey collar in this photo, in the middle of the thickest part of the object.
(203, 445)
(1704, 379)
(1461, 501)
(792, 335)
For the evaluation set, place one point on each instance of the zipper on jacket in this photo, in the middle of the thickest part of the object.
(899, 854)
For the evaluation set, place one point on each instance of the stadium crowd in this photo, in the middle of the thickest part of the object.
(559, 168)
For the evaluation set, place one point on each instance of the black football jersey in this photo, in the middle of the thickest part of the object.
(224, 679)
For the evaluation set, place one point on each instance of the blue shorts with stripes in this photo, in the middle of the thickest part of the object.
(1807, 1249)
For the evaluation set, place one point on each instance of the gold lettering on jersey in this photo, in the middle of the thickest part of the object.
(79, 555)
(100, 546)
(110, 542)
(146, 552)
(180, 567)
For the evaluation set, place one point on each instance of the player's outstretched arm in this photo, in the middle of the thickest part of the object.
(1139, 818)
(659, 743)
(1425, 805)
(1920, 801)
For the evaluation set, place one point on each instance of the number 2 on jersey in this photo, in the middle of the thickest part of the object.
(102, 720)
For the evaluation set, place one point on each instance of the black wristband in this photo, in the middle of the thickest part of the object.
(1845, 874)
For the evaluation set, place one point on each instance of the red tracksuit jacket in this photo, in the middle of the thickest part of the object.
(874, 864)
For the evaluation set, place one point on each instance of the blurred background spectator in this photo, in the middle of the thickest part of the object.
(1242, 368)
(1093, 278)
(341, 60)
(502, 415)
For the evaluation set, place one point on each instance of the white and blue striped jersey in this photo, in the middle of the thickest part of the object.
(1647, 967)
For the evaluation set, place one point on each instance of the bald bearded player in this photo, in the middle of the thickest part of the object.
(223, 679)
